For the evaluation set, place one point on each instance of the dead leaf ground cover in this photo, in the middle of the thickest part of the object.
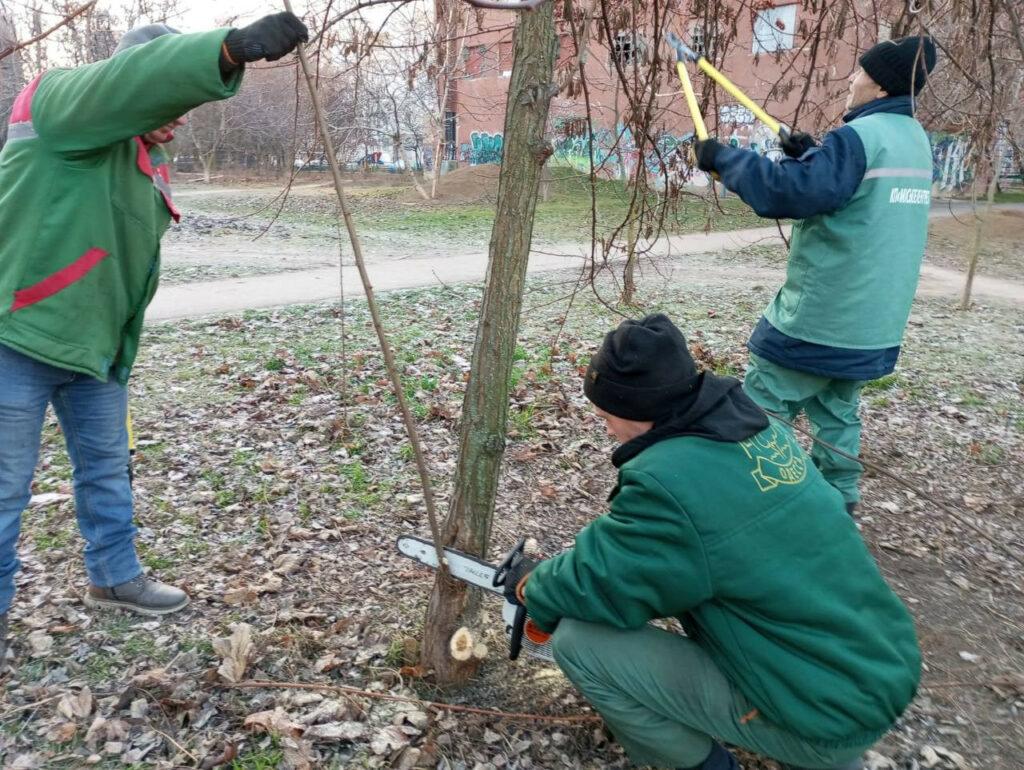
(273, 477)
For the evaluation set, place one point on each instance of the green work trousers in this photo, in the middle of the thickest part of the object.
(665, 700)
(831, 406)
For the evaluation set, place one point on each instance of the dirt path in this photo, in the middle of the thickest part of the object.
(312, 285)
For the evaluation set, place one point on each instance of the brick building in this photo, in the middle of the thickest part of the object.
(766, 56)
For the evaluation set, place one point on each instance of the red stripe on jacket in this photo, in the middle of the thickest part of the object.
(145, 164)
(59, 280)
(21, 112)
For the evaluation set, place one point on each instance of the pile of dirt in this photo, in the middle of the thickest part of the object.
(469, 184)
(951, 241)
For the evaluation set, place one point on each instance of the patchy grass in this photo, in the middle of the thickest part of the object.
(384, 219)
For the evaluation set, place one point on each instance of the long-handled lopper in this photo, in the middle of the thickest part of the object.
(683, 54)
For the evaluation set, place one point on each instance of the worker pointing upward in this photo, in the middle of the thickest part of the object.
(84, 200)
(861, 199)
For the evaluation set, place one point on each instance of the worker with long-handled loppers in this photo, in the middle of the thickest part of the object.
(861, 201)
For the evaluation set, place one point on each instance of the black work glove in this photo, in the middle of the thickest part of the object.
(268, 38)
(706, 150)
(517, 573)
(797, 143)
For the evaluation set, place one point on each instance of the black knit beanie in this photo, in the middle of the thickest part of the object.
(891, 64)
(144, 34)
(640, 369)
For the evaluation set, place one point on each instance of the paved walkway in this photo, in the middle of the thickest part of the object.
(265, 291)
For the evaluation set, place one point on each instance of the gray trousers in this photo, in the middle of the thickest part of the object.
(665, 700)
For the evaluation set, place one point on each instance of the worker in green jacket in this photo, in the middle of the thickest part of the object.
(84, 200)
(861, 201)
(794, 648)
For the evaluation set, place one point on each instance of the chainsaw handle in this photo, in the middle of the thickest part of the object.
(515, 641)
(501, 573)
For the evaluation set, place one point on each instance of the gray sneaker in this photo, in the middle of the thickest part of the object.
(140, 595)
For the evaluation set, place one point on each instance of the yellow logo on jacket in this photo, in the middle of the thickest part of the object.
(777, 458)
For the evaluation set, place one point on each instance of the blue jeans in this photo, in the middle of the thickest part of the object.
(92, 416)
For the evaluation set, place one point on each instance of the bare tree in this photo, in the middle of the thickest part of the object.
(485, 406)
(11, 73)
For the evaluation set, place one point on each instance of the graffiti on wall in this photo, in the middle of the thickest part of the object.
(739, 128)
(615, 154)
(951, 170)
(482, 148)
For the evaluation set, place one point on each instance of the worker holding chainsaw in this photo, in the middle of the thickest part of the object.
(861, 201)
(84, 200)
(795, 646)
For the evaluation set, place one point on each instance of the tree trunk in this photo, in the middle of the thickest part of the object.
(629, 272)
(485, 408)
(979, 230)
(452, 57)
(207, 163)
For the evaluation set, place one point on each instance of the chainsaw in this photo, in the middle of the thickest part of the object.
(519, 629)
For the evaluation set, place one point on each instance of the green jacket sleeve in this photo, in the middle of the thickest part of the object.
(136, 91)
(643, 560)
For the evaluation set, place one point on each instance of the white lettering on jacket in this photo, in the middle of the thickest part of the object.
(910, 195)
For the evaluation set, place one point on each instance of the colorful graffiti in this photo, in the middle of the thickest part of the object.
(951, 170)
(615, 154)
(483, 148)
(740, 129)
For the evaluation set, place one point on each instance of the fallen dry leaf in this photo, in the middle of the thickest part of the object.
(76, 706)
(389, 739)
(336, 731)
(62, 732)
(243, 595)
(41, 644)
(236, 651)
(297, 754)
(276, 722)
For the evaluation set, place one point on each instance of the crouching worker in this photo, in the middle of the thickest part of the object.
(795, 646)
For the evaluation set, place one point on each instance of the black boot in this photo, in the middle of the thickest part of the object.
(854, 765)
(850, 508)
(720, 758)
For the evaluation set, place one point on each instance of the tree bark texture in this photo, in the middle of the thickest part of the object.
(485, 407)
(980, 223)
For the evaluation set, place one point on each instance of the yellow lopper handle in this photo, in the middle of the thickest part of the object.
(739, 96)
(691, 101)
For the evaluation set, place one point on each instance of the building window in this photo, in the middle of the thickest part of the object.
(702, 39)
(625, 48)
(505, 54)
(573, 127)
(449, 135)
(775, 29)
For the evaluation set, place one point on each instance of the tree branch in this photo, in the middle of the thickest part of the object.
(66, 20)
(505, 5)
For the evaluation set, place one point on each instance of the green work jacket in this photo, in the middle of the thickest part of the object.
(753, 551)
(852, 273)
(84, 201)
